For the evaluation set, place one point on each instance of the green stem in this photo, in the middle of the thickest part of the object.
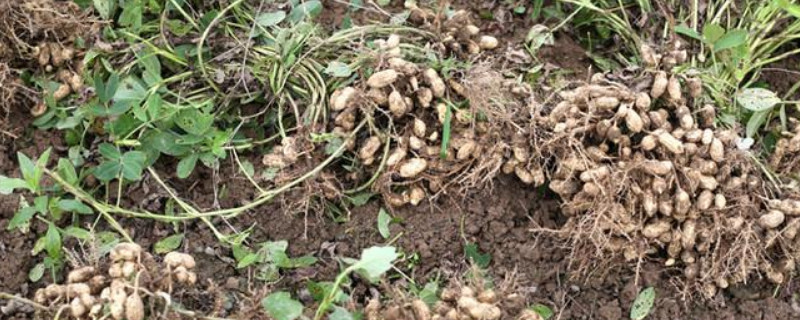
(328, 300)
(200, 63)
(191, 213)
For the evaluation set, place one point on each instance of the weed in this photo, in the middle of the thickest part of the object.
(373, 264)
(50, 205)
(734, 49)
(268, 259)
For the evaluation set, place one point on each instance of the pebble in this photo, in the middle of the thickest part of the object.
(232, 283)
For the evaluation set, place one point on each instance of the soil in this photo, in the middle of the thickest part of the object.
(498, 218)
(781, 76)
(14, 247)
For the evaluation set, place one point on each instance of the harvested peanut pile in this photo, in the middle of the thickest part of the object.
(41, 36)
(458, 34)
(456, 303)
(118, 293)
(644, 173)
(420, 131)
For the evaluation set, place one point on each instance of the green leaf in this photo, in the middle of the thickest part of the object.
(186, 165)
(302, 262)
(7, 185)
(340, 313)
(52, 241)
(732, 39)
(757, 119)
(168, 244)
(131, 15)
(165, 142)
(111, 86)
(40, 164)
(791, 8)
(194, 122)
(757, 99)
(83, 4)
(689, 32)
(448, 118)
(133, 164)
(538, 36)
(209, 16)
(132, 91)
(360, 199)
(67, 171)
(375, 261)
(268, 272)
(280, 306)
(474, 254)
(273, 248)
(247, 260)
(269, 19)
(318, 290)
(153, 106)
(36, 273)
(22, 219)
(107, 171)
(152, 69)
(41, 204)
(28, 169)
(333, 145)
(248, 169)
(76, 206)
(105, 8)
(383, 223)
(178, 27)
(643, 303)
(68, 123)
(109, 151)
(383, 3)
(713, 32)
(77, 233)
(240, 252)
(338, 69)
(542, 310)
(430, 293)
(309, 10)
(39, 246)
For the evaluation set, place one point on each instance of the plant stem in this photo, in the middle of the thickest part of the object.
(328, 300)
(8, 296)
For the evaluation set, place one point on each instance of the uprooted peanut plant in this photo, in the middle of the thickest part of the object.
(644, 171)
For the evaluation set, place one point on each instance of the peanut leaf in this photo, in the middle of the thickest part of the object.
(731, 39)
(269, 19)
(168, 244)
(280, 306)
(375, 261)
(757, 99)
(383, 223)
(643, 304)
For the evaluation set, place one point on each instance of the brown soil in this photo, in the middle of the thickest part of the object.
(498, 219)
(15, 248)
(781, 76)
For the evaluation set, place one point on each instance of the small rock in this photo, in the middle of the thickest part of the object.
(232, 283)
